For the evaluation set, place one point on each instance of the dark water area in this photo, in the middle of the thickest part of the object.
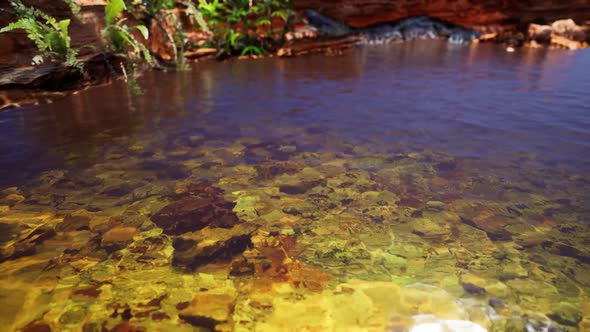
(471, 101)
(402, 187)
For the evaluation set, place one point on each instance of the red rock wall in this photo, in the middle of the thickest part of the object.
(469, 13)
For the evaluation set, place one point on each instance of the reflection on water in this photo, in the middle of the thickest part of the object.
(423, 178)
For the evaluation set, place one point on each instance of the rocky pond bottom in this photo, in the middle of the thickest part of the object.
(267, 218)
(290, 240)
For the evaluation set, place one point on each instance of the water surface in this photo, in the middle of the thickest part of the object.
(421, 176)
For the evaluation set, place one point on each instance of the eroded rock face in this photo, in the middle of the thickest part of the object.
(465, 13)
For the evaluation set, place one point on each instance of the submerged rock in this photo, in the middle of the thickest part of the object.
(27, 244)
(118, 237)
(210, 244)
(566, 314)
(204, 206)
(492, 224)
(430, 230)
(75, 221)
(211, 311)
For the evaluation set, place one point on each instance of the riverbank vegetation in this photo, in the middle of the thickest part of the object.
(234, 27)
(157, 33)
(51, 37)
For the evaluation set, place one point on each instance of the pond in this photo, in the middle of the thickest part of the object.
(375, 190)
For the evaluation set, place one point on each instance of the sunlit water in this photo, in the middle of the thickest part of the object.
(417, 165)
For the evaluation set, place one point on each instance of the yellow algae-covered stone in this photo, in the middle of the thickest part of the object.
(474, 280)
(30, 218)
(426, 299)
(246, 207)
(119, 234)
(430, 230)
(385, 296)
(211, 311)
(347, 311)
(12, 199)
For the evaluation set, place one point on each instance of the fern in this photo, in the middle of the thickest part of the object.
(73, 6)
(51, 37)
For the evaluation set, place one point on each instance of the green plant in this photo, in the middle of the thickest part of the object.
(74, 7)
(150, 11)
(245, 26)
(195, 16)
(119, 36)
(49, 35)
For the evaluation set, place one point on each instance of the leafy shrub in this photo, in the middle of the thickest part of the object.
(245, 26)
(49, 35)
(119, 36)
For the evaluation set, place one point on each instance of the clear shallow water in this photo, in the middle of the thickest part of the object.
(429, 172)
(477, 102)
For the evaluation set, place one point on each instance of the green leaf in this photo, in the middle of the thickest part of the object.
(144, 31)
(14, 25)
(113, 9)
(63, 27)
(280, 13)
(252, 50)
(263, 21)
(73, 6)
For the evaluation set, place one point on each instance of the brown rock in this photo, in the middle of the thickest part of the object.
(331, 46)
(119, 235)
(566, 42)
(540, 33)
(563, 249)
(301, 187)
(209, 311)
(569, 29)
(27, 244)
(36, 326)
(491, 223)
(193, 213)
(430, 230)
(12, 199)
(162, 31)
(241, 266)
(211, 244)
(75, 221)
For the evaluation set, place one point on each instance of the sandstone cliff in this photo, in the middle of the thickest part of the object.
(481, 14)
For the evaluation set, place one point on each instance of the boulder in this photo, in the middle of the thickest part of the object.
(568, 28)
(118, 237)
(540, 33)
(211, 244)
(194, 213)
